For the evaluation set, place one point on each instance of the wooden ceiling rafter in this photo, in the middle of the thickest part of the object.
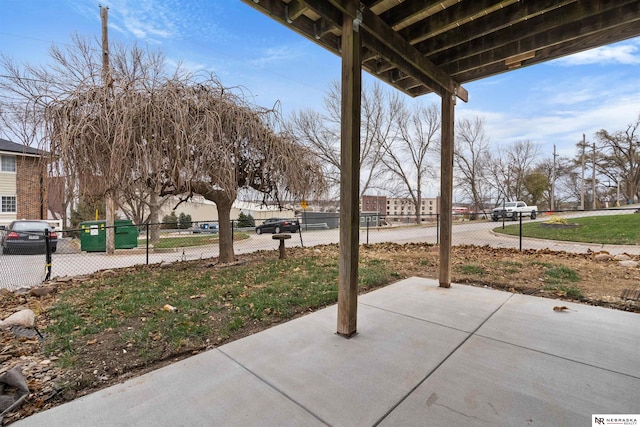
(506, 17)
(539, 32)
(440, 44)
(548, 37)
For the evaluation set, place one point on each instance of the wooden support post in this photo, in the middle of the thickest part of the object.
(349, 175)
(446, 188)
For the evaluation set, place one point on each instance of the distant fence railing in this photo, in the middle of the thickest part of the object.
(81, 251)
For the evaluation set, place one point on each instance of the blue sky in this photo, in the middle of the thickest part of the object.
(551, 103)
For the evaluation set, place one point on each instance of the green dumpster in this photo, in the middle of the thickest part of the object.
(93, 235)
(126, 234)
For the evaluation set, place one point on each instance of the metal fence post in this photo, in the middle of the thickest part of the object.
(520, 213)
(47, 245)
(147, 227)
(232, 230)
(437, 229)
(368, 218)
(300, 233)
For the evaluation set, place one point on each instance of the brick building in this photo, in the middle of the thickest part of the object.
(22, 182)
(369, 204)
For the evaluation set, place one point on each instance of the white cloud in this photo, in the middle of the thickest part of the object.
(563, 127)
(273, 55)
(626, 53)
(155, 21)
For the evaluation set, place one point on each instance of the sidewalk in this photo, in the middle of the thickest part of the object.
(423, 355)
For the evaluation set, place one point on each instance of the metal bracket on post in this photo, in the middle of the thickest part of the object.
(286, 15)
(357, 21)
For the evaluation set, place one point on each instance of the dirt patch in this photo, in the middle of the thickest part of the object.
(104, 360)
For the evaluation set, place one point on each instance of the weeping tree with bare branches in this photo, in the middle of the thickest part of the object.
(171, 134)
(186, 136)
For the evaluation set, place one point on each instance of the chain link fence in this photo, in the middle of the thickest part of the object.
(82, 251)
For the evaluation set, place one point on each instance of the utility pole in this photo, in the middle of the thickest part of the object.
(593, 178)
(109, 197)
(583, 145)
(553, 180)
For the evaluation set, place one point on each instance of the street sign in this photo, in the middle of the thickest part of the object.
(303, 204)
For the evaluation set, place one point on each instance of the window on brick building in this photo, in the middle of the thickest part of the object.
(8, 204)
(8, 163)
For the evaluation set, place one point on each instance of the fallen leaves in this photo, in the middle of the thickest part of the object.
(169, 308)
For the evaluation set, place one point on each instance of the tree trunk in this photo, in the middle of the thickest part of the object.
(225, 240)
(110, 223)
(154, 220)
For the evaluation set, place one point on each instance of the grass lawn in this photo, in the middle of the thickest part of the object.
(189, 240)
(609, 229)
(127, 311)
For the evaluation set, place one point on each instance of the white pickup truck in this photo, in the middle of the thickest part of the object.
(514, 210)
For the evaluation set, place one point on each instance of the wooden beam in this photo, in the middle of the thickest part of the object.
(544, 29)
(446, 188)
(481, 27)
(349, 176)
(570, 34)
(375, 26)
(405, 11)
(394, 48)
(559, 50)
(295, 9)
(401, 63)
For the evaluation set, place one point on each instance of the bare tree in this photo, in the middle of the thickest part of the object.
(620, 158)
(472, 160)
(173, 134)
(507, 170)
(22, 120)
(407, 155)
(520, 161)
(313, 129)
(566, 181)
(321, 132)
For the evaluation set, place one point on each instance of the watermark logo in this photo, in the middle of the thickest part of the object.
(615, 420)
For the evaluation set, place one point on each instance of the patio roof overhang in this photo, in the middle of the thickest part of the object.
(426, 46)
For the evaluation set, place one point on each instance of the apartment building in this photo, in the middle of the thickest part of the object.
(404, 210)
(22, 182)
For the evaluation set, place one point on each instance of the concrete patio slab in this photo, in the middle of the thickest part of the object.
(348, 382)
(208, 389)
(459, 307)
(423, 355)
(494, 383)
(593, 335)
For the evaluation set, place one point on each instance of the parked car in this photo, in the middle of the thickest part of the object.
(514, 210)
(27, 236)
(278, 225)
(210, 227)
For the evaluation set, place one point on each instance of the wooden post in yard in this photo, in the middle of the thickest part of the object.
(349, 174)
(110, 202)
(446, 187)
